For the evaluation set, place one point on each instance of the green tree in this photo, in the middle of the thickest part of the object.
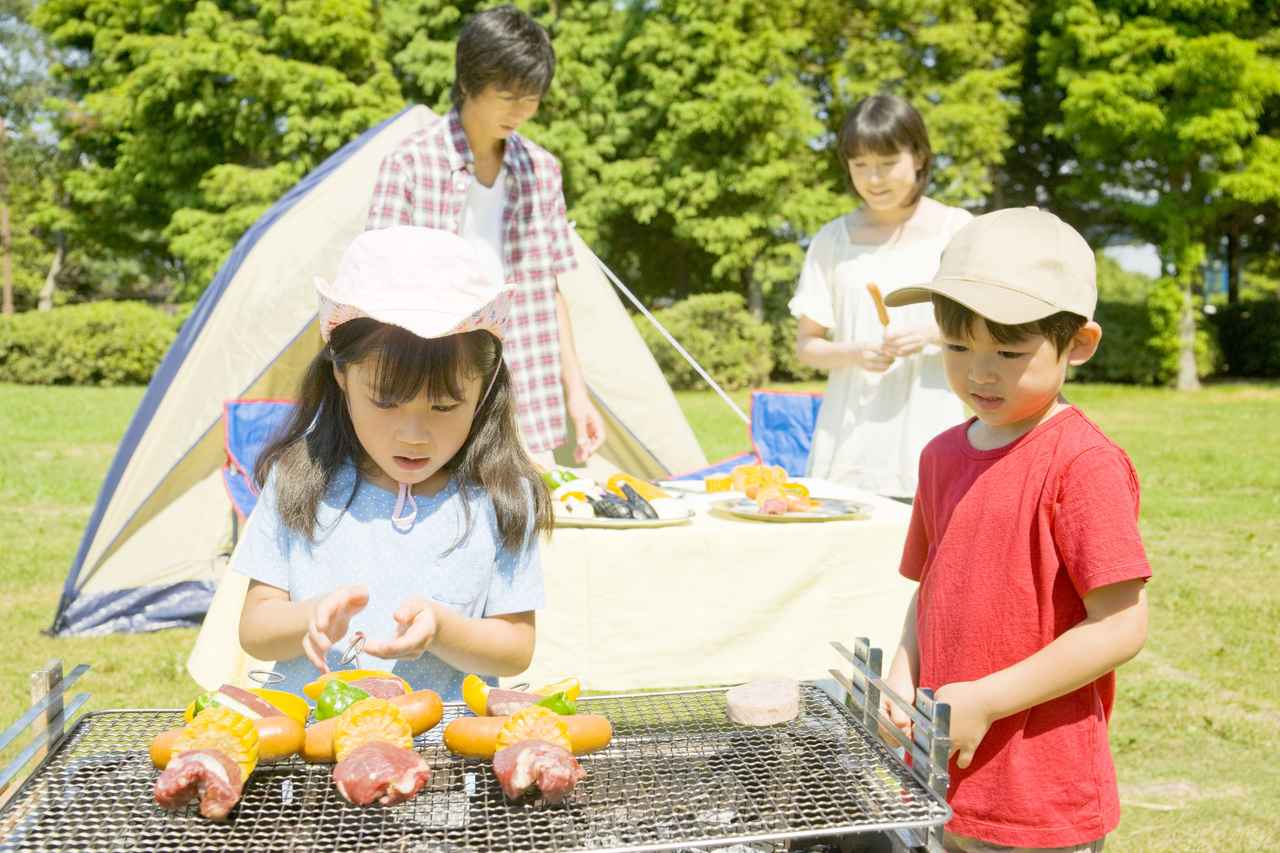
(1161, 106)
(189, 118)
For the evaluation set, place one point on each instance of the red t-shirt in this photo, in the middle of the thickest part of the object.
(1005, 543)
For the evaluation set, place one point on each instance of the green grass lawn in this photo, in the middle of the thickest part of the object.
(1198, 715)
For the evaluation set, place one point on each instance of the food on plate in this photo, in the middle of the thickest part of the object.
(206, 774)
(718, 483)
(535, 763)
(640, 508)
(422, 709)
(644, 489)
(209, 759)
(749, 479)
(477, 737)
(610, 506)
(357, 677)
(771, 501)
(765, 702)
(380, 772)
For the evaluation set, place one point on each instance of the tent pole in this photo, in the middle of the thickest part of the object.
(654, 320)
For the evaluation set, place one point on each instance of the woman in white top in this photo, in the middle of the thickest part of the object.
(887, 394)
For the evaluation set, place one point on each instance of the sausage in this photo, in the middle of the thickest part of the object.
(422, 708)
(874, 290)
(476, 737)
(279, 736)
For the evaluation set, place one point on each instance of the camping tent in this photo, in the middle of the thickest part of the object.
(162, 528)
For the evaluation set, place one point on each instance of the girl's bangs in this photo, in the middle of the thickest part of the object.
(881, 139)
(408, 365)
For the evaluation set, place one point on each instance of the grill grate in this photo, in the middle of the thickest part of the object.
(678, 774)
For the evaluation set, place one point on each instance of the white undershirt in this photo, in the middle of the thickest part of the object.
(482, 215)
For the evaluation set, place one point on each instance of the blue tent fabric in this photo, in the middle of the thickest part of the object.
(782, 425)
(250, 425)
(86, 619)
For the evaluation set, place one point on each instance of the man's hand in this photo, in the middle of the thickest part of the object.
(588, 425)
(416, 625)
(970, 718)
(330, 619)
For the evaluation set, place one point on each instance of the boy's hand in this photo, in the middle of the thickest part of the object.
(330, 618)
(416, 627)
(904, 342)
(872, 358)
(895, 713)
(970, 718)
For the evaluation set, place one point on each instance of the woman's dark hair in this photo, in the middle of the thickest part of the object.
(885, 124)
(505, 47)
(320, 436)
(956, 322)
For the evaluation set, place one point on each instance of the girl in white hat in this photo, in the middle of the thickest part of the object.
(399, 502)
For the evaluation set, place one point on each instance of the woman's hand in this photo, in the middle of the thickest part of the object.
(330, 618)
(904, 342)
(873, 358)
(417, 623)
(588, 425)
(896, 714)
(970, 718)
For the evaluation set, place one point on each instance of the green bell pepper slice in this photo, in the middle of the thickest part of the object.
(560, 703)
(203, 702)
(337, 697)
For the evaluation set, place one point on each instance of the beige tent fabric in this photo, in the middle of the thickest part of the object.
(716, 601)
(166, 522)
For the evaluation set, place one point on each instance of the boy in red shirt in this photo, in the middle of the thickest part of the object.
(1024, 540)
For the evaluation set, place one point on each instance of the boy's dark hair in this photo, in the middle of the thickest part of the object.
(885, 124)
(956, 321)
(320, 437)
(505, 47)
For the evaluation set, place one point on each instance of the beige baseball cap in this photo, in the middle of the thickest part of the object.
(1013, 266)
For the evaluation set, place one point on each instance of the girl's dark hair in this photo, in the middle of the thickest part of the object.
(885, 124)
(956, 321)
(506, 47)
(320, 436)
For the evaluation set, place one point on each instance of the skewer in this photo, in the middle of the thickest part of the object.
(352, 654)
(265, 677)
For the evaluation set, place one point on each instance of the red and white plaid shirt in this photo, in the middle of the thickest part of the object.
(424, 182)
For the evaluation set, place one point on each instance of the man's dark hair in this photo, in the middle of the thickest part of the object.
(503, 47)
(956, 322)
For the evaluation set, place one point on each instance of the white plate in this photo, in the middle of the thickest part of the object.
(621, 523)
(829, 509)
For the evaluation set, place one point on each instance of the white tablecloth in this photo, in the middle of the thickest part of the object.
(719, 600)
(716, 601)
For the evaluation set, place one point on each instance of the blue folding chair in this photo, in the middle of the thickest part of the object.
(250, 425)
(782, 424)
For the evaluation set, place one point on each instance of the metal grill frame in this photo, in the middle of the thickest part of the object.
(678, 775)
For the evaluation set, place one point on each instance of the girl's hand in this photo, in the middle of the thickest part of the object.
(904, 342)
(873, 358)
(416, 625)
(970, 718)
(330, 618)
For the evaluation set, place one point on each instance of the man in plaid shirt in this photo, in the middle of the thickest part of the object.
(470, 173)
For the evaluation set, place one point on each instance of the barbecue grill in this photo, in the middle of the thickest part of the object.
(678, 774)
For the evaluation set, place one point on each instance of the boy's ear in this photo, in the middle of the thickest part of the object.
(1084, 344)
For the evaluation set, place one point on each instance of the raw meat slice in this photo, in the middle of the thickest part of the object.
(764, 703)
(206, 774)
(503, 702)
(551, 768)
(380, 686)
(381, 772)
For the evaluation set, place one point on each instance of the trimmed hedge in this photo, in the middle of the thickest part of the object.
(1249, 334)
(719, 332)
(98, 343)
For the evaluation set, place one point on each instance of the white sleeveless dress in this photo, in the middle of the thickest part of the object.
(872, 426)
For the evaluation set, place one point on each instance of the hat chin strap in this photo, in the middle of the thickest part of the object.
(406, 510)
